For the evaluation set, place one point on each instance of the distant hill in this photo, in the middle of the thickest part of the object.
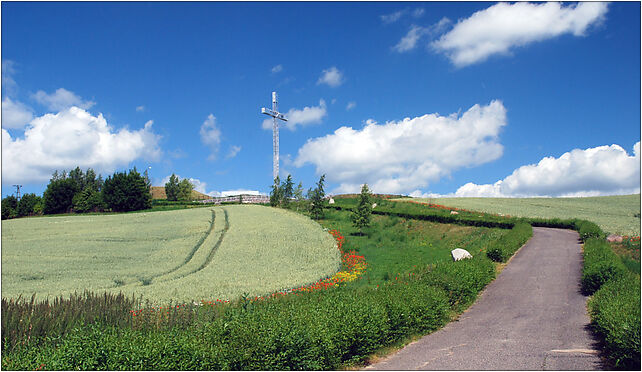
(158, 192)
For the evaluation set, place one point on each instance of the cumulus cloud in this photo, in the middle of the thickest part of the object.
(15, 114)
(503, 26)
(398, 157)
(211, 135)
(61, 99)
(332, 77)
(304, 117)
(603, 170)
(70, 138)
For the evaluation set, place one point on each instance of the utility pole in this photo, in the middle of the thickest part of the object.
(17, 191)
(275, 114)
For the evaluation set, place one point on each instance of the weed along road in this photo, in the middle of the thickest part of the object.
(532, 317)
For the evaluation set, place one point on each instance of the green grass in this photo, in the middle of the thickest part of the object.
(614, 214)
(178, 256)
(395, 246)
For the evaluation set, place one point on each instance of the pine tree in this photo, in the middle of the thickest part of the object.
(275, 194)
(287, 191)
(316, 208)
(361, 216)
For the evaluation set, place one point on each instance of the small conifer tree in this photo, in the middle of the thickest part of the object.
(361, 215)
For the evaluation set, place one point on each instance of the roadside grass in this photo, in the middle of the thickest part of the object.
(396, 246)
(618, 214)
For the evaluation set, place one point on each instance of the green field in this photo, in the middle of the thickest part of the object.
(182, 255)
(614, 214)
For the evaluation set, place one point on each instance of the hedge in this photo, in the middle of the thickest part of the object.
(601, 264)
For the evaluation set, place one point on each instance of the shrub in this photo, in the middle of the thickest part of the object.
(503, 248)
(615, 315)
(588, 229)
(601, 264)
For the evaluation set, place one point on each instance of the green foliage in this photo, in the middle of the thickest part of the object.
(298, 193)
(461, 280)
(59, 195)
(88, 200)
(361, 215)
(502, 249)
(287, 191)
(615, 315)
(172, 188)
(588, 229)
(185, 188)
(276, 193)
(125, 192)
(9, 207)
(27, 204)
(601, 264)
(317, 202)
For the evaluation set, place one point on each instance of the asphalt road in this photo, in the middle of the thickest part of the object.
(532, 317)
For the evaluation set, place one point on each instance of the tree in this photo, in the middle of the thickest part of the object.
(275, 194)
(172, 188)
(185, 188)
(361, 216)
(88, 200)
(287, 191)
(59, 195)
(298, 192)
(27, 204)
(125, 192)
(316, 208)
(9, 206)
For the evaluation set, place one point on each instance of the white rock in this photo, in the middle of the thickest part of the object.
(460, 254)
(331, 201)
(374, 205)
(454, 212)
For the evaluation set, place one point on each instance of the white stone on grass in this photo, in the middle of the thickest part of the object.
(460, 254)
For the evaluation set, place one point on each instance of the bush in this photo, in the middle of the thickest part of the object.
(601, 264)
(503, 248)
(461, 280)
(588, 229)
(615, 315)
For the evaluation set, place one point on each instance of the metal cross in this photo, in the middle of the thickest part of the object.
(275, 114)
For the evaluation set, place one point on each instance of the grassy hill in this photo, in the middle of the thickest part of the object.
(618, 214)
(158, 192)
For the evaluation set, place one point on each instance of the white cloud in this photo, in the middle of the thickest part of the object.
(418, 12)
(303, 117)
(8, 84)
(603, 170)
(402, 156)
(277, 69)
(140, 108)
(70, 138)
(15, 114)
(211, 135)
(234, 150)
(332, 77)
(351, 105)
(409, 41)
(392, 17)
(503, 26)
(60, 100)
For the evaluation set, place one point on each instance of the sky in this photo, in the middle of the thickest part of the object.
(413, 98)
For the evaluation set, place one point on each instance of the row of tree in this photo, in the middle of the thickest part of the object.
(175, 190)
(81, 192)
(284, 195)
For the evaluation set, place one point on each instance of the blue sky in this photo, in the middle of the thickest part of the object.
(468, 99)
